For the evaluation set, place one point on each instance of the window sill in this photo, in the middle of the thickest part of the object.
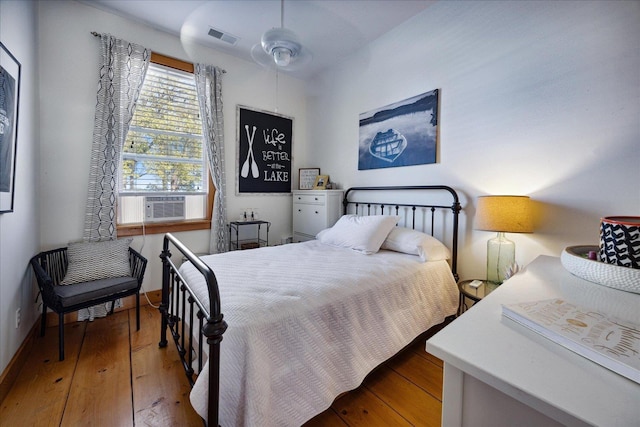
(163, 227)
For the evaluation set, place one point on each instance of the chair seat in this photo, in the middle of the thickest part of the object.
(79, 293)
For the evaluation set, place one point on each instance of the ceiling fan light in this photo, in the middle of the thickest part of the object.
(282, 56)
(281, 44)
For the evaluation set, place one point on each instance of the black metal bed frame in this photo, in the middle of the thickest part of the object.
(177, 296)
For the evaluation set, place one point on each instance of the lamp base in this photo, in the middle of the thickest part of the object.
(501, 254)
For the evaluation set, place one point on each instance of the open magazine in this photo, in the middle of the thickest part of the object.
(611, 342)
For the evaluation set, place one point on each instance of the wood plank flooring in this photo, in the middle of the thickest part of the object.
(114, 375)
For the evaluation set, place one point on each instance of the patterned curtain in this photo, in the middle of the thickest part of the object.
(209, 88)
(122, 72)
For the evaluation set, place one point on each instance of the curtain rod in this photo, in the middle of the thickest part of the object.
(96, 34)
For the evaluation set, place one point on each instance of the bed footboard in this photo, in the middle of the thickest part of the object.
(178, 307)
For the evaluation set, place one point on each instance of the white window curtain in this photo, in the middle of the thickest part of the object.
(209, 88)
(122, 72)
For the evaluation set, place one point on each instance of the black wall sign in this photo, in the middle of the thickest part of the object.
(264, 152)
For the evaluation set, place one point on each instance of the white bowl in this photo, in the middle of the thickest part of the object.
(614, 276)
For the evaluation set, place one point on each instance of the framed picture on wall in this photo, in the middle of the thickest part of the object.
(404, 133)
(263, 152)
(9, 103)
(307, 178)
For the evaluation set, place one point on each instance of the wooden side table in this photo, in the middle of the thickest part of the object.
(474, 294)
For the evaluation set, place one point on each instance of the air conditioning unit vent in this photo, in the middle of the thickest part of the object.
(164, 208)
(223, 36)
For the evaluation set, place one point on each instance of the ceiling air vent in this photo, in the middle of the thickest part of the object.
(225, 37)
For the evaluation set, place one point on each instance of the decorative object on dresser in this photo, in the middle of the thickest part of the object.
(581, 262)
(511, 214)
(313, 211)
(321, 182)
(620, 240)
(307, 178)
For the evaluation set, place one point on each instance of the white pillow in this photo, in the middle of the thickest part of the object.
(361, 233)
(414, 242)
(90, 261)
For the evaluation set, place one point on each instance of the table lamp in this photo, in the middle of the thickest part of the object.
(504, 214)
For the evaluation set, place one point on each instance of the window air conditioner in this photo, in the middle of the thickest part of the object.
(163, 208)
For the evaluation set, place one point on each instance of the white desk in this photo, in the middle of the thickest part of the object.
(498, 373)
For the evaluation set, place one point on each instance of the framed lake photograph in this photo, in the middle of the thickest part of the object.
(9, 102)
(401, 134)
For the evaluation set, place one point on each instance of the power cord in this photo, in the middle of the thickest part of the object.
(144, 239)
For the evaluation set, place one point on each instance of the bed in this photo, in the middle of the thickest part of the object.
(308, 321)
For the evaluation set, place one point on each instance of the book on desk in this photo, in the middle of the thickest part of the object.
(611, 342)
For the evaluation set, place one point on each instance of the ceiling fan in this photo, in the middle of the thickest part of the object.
(281, 48)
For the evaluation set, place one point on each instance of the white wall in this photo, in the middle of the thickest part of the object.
(19, 238)
(537, 98)
(69, 76)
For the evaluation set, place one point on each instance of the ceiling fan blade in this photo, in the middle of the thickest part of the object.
(261, 57)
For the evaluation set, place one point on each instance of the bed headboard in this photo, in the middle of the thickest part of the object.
(419, 206)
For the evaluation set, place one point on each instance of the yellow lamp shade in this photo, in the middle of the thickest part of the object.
(510, 214)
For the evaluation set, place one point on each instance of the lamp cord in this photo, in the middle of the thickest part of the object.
(498, 263)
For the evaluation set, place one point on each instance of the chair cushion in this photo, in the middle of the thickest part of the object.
(79, 293)
(97, 260)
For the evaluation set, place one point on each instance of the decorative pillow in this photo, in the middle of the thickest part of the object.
(97, 260)
(361, 233)
(414, 242)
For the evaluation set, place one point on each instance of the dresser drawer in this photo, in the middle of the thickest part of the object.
(309, 219)
(314, 211)
(313, 199)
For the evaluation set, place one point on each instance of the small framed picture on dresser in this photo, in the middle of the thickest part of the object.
(321, 182)
(307, 178)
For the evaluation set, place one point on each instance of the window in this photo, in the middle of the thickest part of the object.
(164, 180)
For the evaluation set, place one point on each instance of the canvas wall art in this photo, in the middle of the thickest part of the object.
(401, 134)
(264, 152)
(9, 102)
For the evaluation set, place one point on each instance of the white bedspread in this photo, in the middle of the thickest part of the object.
(308, 321)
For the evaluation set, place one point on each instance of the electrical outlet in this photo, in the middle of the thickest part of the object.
(17, 318)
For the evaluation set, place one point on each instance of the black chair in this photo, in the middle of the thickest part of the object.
(50, 268)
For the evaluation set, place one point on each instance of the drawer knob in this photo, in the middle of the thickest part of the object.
(315, 198)
(299, 210)
(317, 212)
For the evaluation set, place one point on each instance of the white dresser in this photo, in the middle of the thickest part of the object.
(498, 373)
(315, 210)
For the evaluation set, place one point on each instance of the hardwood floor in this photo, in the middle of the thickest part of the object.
(114, 375)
